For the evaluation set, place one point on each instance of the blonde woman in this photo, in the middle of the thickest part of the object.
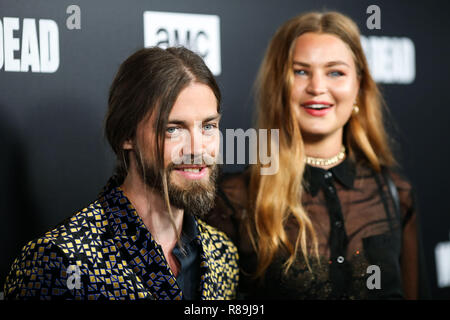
(335, 221)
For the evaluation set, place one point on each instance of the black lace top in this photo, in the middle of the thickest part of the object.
(367, 248)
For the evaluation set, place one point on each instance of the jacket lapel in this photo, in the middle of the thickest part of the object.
(138, 247)
(208, 278)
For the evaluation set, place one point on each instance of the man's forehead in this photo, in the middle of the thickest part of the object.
(195, 102)
(192, 118)
(181, 118)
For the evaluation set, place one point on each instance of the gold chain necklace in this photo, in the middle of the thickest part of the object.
(326, 162)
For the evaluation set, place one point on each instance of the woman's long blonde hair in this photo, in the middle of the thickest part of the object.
(275, 198)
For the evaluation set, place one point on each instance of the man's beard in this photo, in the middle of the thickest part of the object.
(196, 196)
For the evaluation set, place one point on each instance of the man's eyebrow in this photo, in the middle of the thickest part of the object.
(184, 123)
(328, 64)
(213, 118)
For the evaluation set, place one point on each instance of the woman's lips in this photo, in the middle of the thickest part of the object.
(317, 109)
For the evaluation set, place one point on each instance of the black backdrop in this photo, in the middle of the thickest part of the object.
(54, 158)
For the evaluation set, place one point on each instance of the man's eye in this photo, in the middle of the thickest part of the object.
(209, 126)
(172, 130)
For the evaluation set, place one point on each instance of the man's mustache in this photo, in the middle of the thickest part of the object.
(190, 159)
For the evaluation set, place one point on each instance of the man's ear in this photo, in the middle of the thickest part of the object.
(127, 145)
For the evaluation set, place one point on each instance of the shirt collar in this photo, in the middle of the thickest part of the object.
(116, 199)
(190, 229)
(344, 172)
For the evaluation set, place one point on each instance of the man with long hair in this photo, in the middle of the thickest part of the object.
(143, 238)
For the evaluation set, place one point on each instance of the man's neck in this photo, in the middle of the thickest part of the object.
(152, 209)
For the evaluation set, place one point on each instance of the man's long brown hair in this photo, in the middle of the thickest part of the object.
(146, 84)
(274, 198)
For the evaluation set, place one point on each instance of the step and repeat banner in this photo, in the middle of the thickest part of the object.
(58, 59)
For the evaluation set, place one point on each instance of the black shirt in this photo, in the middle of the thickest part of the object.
(353, 216)
(188, 255)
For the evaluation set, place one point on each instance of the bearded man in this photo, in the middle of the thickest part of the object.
(144, 238)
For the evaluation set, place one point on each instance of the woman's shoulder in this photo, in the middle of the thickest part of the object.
(395, 182)
(401, 181)
(405, 190)
(396, 174)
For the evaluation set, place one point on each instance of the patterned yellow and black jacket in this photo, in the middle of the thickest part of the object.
(107, 246)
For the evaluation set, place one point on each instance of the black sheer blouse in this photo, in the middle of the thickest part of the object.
(357, 225)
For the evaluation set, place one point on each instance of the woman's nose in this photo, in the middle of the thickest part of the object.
(317, 85)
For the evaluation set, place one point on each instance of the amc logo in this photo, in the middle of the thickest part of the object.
(197, 32)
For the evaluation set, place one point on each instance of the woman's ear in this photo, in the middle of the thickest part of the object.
(127, 145)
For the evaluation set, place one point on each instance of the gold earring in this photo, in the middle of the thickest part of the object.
(355, 109)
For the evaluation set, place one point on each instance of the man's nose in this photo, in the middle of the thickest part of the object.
(195, 145)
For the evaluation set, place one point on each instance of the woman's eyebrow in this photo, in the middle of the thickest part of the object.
(328, 64)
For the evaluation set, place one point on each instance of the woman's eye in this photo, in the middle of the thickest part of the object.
(300, 72)
(336, 73)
